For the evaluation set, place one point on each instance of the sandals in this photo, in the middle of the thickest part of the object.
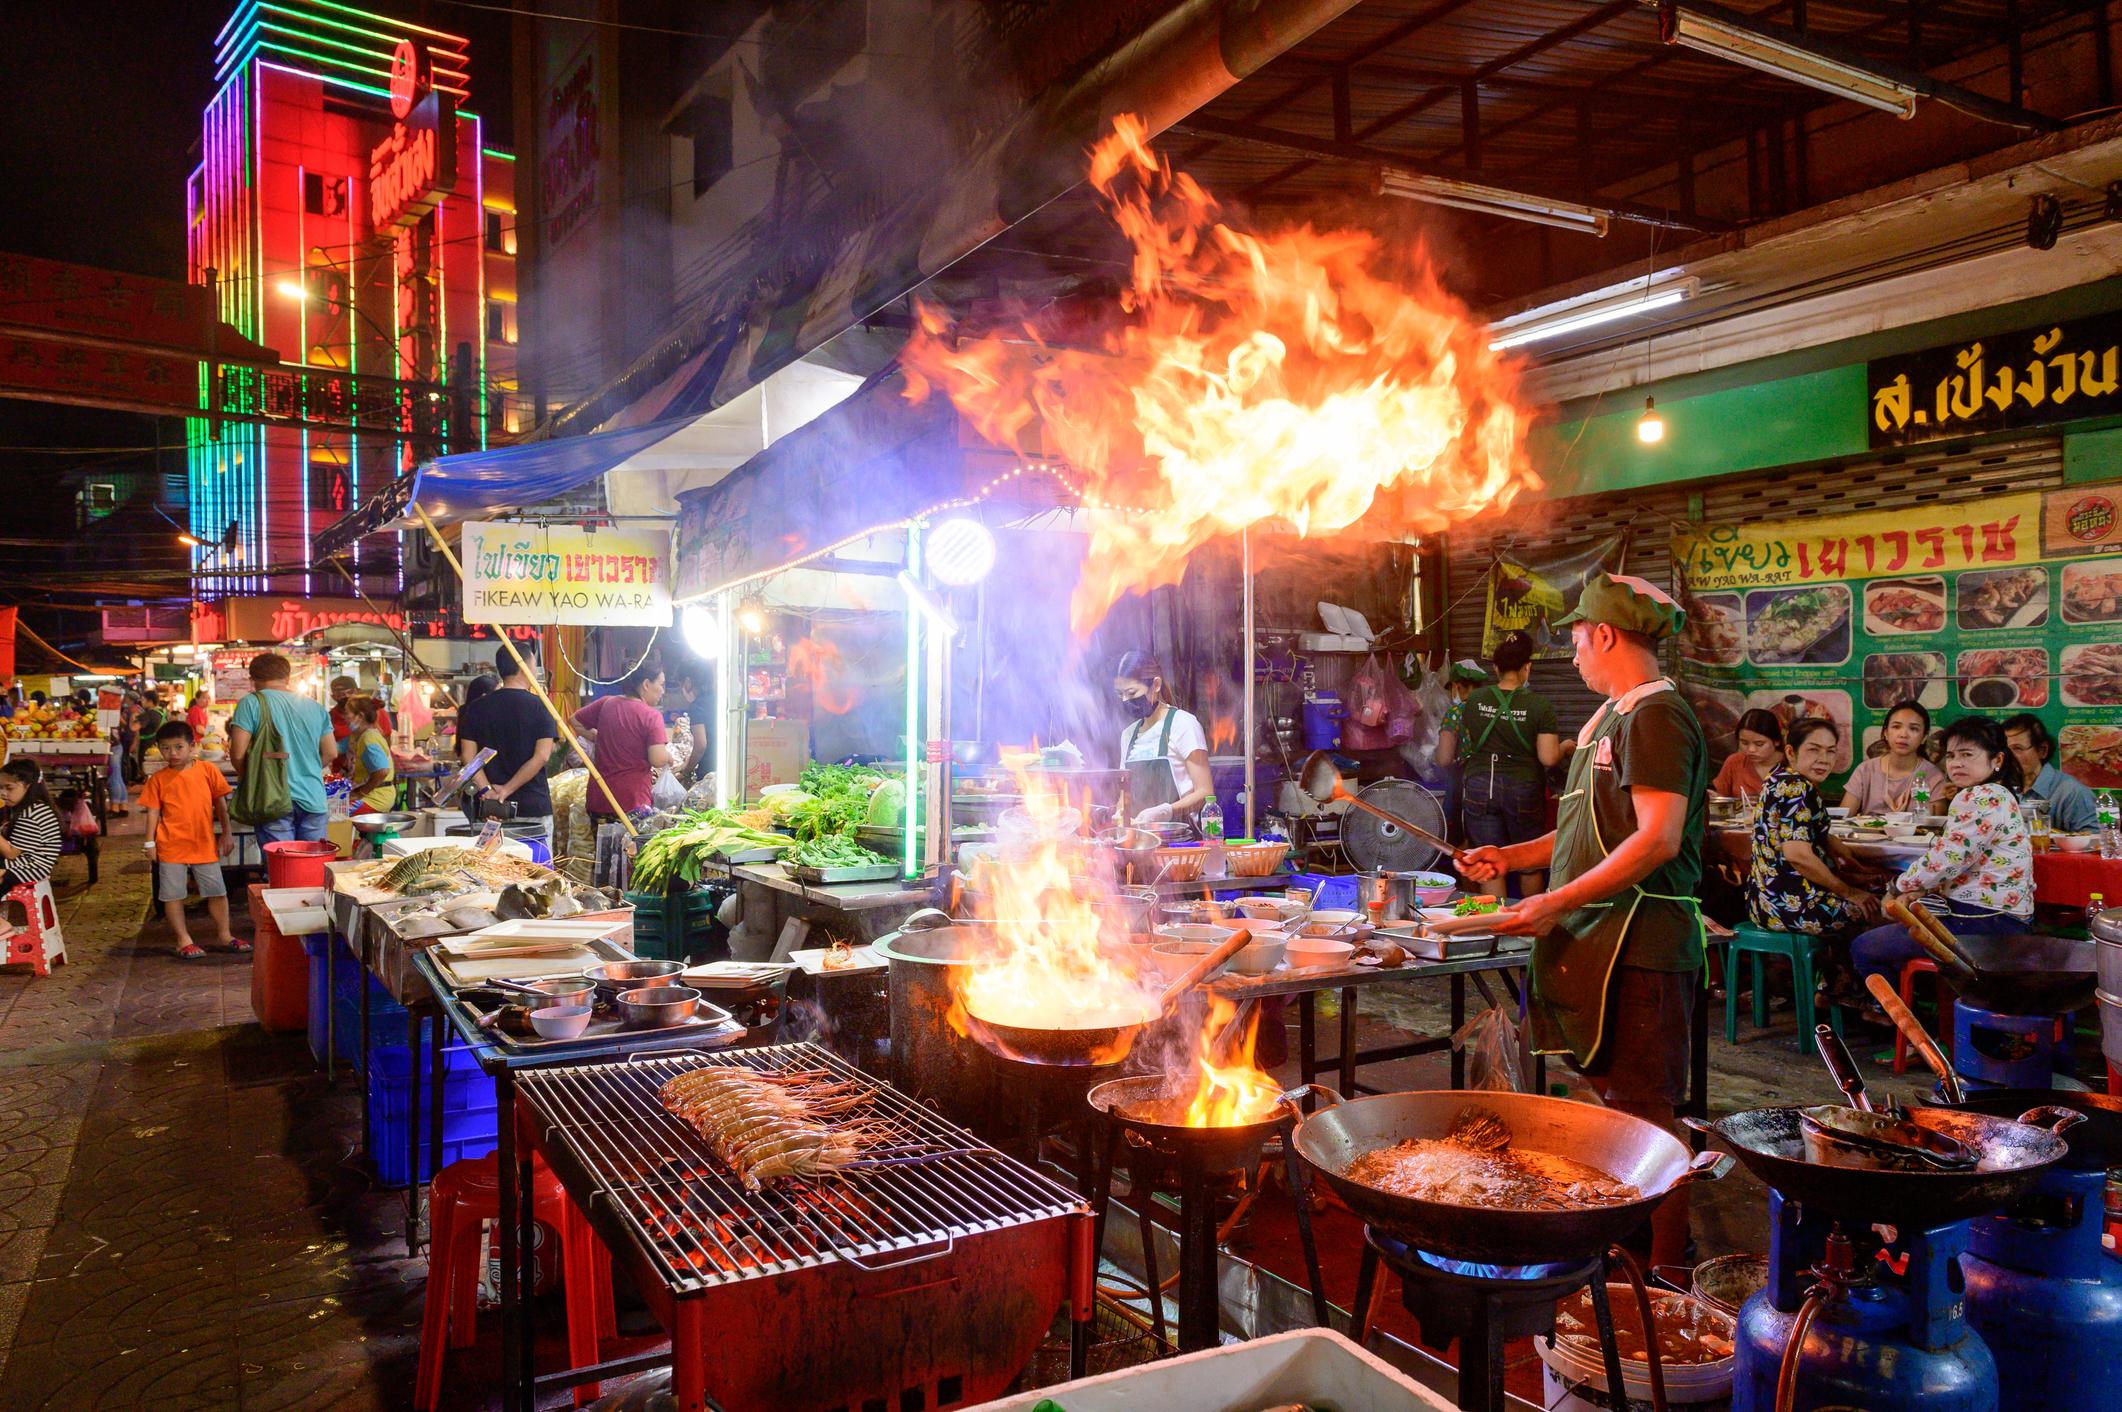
(191, 951)
(239, 946)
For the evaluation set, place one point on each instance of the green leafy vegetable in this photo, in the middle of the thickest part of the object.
(679, 852)
(833, 852)
(1477, 906)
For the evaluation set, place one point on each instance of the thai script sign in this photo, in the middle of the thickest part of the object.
(528, 573)
(414, 167)
(2055, 373)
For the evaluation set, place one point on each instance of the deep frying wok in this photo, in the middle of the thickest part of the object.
(2094, 1143)
(1639, 1153)
(2017, 975)
(1147, 1103)
(1097, 1044)
(2012, 1157)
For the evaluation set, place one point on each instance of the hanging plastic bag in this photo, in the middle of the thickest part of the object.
(666, 793)
(1402, 711)
(1367, 702)
(80, 822)
(1490, 1043)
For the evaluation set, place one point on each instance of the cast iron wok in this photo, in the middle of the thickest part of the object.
(2012, 1156)
(2017, 975)
(1629, 1149)
(1153, 1105)
(1099, 1044)
(2094, 1143)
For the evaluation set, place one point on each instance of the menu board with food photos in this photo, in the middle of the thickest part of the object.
(1992, 606)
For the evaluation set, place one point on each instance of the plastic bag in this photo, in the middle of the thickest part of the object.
(666, 793)
(80, 822)
(1490, 1041)
(702, 794)
(1367, 702)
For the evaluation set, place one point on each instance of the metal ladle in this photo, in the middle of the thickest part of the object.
(1319, 779)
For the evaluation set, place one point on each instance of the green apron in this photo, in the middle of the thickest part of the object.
(1150, 781)
(1573, 964)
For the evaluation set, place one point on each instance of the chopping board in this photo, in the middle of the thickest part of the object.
(471, 970)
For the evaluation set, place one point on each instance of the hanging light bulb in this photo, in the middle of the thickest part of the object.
(751, 616)
(1650, 427)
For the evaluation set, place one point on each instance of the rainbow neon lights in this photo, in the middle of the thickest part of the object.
(303, 99)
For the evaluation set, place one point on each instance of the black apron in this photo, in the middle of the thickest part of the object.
(1150, 781)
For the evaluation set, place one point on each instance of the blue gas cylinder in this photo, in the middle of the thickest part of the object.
(1323, 713)
(2047, 1297)
(1893, 1335)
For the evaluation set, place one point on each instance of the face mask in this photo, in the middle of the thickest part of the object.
(1138, 707)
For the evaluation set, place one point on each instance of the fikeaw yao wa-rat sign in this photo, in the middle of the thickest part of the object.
(539, 574)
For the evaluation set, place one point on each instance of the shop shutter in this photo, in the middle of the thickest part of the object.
(1917, 475)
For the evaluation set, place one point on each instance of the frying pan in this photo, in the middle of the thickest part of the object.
(1319, 779)
(2012, 1155)
(1152, 1104)
(2018, 975)
(1098, 1044)
(2095, 1143)
(1629, 1149)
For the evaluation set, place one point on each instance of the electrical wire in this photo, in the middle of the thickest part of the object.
(561, 639)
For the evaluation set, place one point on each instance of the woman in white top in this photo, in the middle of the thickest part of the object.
(1886, 783)
(1164, 750)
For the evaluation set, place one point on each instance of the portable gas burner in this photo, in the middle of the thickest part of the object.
(1864, 1305)
(1163, 1153)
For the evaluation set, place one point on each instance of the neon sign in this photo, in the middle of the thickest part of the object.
(412, 169)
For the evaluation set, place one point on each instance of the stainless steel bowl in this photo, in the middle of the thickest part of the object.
(560, 992)
(384, 823)
(656, 1006)
(615, 976)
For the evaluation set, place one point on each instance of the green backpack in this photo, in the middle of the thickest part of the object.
(262, 794)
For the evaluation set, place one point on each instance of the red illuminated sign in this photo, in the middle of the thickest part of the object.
(407, 78)
(409, 171)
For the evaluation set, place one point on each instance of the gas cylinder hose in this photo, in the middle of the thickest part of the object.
(1816, 1299)
(1634, 1272)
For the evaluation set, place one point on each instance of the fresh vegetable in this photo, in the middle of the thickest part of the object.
(832, 852)
(679, 852)
(831, 802)
(1477, 906)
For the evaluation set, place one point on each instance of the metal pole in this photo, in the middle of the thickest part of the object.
(530, 676)
(1245, 540)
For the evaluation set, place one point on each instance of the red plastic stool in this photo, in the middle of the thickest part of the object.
(1909, 971)
(462, 1196)
(38, 943)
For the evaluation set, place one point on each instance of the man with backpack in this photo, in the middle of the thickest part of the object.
(281, 744)
(1506, 741)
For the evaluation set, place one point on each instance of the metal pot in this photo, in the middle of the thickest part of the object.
(931, 1060)
(656, 1006)
(2107, 931)
(615, 976)
(1396, 891)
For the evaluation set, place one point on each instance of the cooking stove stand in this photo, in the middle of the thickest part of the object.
(1200, 1316)
(1482, 1312)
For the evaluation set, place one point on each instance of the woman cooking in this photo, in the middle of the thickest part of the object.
(1164, 750)
(1886, 783)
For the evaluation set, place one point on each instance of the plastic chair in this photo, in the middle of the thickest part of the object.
(463, 1196)
(1942, 1030)
(38, 943)
(1799, 948)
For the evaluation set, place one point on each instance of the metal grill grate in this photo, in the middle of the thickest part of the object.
(929, 1185)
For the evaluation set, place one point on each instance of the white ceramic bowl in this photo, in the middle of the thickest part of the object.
(1199, 933)
(1276, 911)
(1173, 958)
(560, 1021)
(1305, 951)
(2071, 842)
(1252, 924)
(1260, 955)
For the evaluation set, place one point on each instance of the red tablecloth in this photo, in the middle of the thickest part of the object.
(2071, 879)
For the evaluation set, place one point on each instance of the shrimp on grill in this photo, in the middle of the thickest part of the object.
(767, 1126)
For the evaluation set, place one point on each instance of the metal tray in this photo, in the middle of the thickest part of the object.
(750, 855)
(1457, 946)
(715, 1027)
(819, 877)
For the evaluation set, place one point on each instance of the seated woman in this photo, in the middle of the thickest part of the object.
(1982, 864)
(30, 834)
(1886, 783)
(1760, 754)
(1791, 886)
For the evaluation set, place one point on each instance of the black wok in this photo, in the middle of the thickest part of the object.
(2093, 1144)
(1154, 1105)
(2012, 1156)
(1639, 1153)
(2023, 975)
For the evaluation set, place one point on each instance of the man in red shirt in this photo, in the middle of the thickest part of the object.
(630, 740)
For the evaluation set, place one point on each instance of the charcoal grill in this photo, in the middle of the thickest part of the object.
(925, 1277)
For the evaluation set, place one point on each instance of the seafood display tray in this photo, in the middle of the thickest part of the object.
(822, 877)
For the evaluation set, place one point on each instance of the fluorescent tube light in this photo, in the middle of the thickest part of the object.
(1787, 59)
(1637, 296)
(929, 605)
(1489, 200)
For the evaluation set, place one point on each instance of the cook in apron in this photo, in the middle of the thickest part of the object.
(1149, 782)
(1573, 964)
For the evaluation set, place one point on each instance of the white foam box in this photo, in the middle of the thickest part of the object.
(402, 847)
(1303, 1365)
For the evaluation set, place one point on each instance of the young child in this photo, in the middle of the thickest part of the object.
(187, 832)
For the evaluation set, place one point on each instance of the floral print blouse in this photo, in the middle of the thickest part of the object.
(1778, 896)
(1984, 859)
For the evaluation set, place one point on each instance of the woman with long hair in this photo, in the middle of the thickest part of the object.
(1886, 783)
(1164, 750)
(29, 825)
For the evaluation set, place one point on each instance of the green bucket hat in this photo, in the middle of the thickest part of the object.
(1629, 603)
(1466, 669)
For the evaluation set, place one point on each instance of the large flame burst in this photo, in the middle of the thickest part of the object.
(1257, 378)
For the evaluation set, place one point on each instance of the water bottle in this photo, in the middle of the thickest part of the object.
(2110, 815)
(1919, 797)
(1212, 835)
(2093, 909)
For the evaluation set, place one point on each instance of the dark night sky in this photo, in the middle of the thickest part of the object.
(95, 143)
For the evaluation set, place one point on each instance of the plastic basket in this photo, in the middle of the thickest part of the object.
(1254, 860)
(319, 946)
(671, 928)
(1181, 864)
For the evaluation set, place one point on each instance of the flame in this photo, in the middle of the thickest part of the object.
(1235, 1091)
(1059, 964)
(820, 664)
(1258, 377)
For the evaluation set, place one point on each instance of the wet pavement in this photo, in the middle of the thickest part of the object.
(186, 1219)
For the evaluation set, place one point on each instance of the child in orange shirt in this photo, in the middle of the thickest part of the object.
(187, 832)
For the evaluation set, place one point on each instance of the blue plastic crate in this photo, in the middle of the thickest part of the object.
(1330, 891)
(463, 1135)
(321, 996)
(470, 1117)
